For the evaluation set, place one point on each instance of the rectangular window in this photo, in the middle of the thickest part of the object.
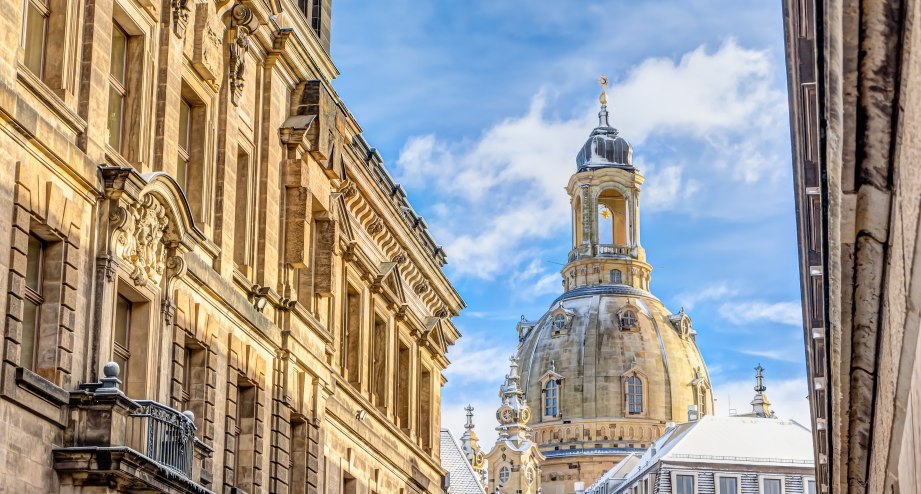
(810, 487)
(243, 212)
(118, 87)
(33, 35)
(244, 456)
(185, 133)
(772, 486)
(32, 302)
(379, 362)
(351, 341)
(402, 385)
(728, 485)
(315, 16)
(122, 335)
(425, 408)
(684, 484)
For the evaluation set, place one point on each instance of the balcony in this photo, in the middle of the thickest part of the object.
(138, 445)
(605, 250)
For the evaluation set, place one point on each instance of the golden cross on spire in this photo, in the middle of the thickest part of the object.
(603, 82)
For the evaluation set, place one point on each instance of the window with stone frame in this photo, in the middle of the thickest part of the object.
(402, 382)
(36, 16)
(633, 392)
(551, 398)
(192, 174)
(350, 343)
(244, 212)
(42, 297)
(125, 93)
(245, 441)
(425, 408)
(316, 17)
(131, 346)
(380, 338)
(684, 484)
(32, 302)
(617, 277)
(43, 280)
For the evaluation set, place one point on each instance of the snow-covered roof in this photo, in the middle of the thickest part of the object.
(731, 440)
(463, 478)
(618, 471)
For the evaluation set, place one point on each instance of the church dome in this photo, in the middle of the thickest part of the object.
(604, 148)
(595, 340)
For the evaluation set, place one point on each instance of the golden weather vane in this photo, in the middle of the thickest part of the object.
(603, 82)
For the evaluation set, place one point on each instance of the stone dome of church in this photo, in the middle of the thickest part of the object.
(607, 366)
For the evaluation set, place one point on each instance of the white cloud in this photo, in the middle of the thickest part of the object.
(787, 397)
(717, 291)
(746, 312)
(793, 355)
(500, 194)
(477, 361)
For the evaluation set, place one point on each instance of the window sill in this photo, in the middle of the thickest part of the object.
(41, 91)
(38, 385)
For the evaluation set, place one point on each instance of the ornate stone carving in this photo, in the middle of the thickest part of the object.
(399, 258)
(242, 25)
(422, 287)
(139, 239)
(180, 11)
(207, 51)
(349, 189)
(375, 226)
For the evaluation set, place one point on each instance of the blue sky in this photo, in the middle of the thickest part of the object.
(478, 108)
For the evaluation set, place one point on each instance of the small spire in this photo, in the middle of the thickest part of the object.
(761, 406)
(469, 424)
(603, 99)
(759, 376)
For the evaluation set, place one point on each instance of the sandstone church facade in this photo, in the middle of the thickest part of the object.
(212, 282)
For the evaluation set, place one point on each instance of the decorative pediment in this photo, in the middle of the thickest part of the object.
(561, 319)
(389, 280)
(682, 323)
(550, 374)
(151, 224)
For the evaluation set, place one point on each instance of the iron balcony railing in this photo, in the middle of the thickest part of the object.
(164, 435)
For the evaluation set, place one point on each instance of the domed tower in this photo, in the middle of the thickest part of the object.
(607, 366)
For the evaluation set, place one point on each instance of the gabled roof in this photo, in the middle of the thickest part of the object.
(463, 478)
(731, 440)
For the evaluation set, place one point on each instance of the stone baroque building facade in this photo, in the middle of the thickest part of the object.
(183, 194)
(855, 113)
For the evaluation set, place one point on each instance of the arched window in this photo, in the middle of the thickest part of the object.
(628, 319)
(616, 276)
(634, 395)
(504, 474)
(551, 398)
(559, 321)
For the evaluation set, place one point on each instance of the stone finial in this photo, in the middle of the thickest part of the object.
(110, 380)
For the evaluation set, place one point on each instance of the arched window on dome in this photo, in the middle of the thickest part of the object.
(559, 323)
(617, 277)
(628, 319)
(634, 394)
(552, 398)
